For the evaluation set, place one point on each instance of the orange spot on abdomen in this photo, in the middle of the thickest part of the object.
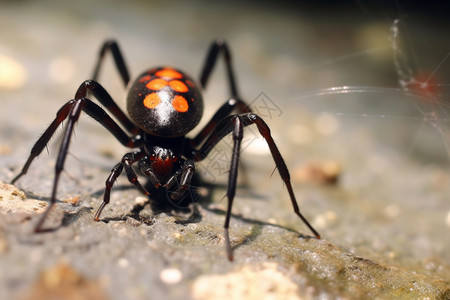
(178, 86)
(145, 78)
(180, 104)
(169, 73)
(151, 100)
(156, 84)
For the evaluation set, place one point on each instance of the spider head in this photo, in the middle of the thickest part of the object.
(162, 161)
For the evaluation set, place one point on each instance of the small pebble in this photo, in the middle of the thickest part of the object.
(123, 262)
(171, 275)
(391, 211)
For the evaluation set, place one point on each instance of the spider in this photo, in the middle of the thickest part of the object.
(163, 104)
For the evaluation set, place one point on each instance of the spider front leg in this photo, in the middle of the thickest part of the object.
(236, 125)
(127, 161)
(182, 176)
(185, 174)
(73, 108)
(71, 111)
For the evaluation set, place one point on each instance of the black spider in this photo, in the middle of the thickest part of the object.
(164, 104)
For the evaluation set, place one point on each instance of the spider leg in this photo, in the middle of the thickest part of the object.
(71, 111)
(99, 92)
(264, 130)
(115, 172)
(236, 124)
(126, 163)
(234, 104)
(219, 46)
(40, 144)
(187, 172)
(73, 117)
(72, 107)
(113, 47)
(147, 170)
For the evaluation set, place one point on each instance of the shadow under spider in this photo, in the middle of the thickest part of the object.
(256, 229)
(184, 210)
(187, 211)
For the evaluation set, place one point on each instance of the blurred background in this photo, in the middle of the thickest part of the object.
(353, 91)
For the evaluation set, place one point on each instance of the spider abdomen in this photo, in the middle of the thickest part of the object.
(165, 102)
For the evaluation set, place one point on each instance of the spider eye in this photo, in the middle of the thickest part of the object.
(174, 158)
(152, 157)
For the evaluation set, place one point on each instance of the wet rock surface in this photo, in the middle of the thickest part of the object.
(370, 170)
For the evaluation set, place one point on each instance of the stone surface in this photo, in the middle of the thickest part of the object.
(62, 282)
(369, 166)
(188, 257)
